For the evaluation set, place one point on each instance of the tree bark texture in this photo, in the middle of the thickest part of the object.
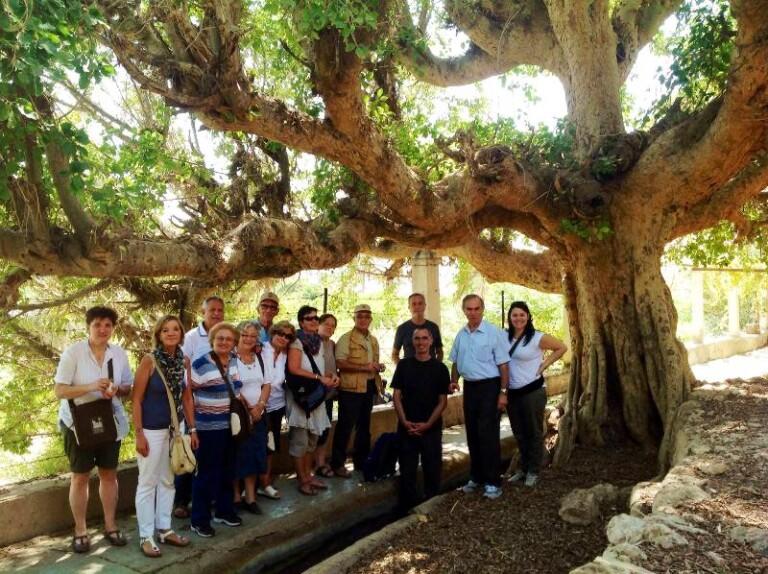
(629, 372)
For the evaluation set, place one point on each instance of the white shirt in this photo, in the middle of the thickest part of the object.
(78, 366)
(525, 361)
(196, 342)
(252, 378)
(275, 376)
(305, 364)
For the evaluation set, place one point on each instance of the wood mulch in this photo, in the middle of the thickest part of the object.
(520, 531)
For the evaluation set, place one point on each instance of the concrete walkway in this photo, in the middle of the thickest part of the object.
(294, 526)
(746, 366)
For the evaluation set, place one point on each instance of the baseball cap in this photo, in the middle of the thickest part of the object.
(269, 296)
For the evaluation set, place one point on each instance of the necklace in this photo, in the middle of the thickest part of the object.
(250, 365)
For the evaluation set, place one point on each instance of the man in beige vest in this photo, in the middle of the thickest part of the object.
(357, 358)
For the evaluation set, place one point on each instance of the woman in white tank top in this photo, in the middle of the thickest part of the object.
(526, 392)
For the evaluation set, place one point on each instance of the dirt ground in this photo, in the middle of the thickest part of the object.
(520, 532)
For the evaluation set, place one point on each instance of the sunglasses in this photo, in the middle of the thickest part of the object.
(284, 335)
(312, 318)
(269, 306)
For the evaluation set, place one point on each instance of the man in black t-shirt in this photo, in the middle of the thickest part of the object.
(404, 334)
(421, 395)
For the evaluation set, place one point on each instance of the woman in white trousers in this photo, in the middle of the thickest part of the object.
(152, 419)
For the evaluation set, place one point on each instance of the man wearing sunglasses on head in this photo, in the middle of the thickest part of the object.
(357, 358)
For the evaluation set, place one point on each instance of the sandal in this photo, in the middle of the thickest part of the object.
(170, 538)
(181, 512)
(269, 492)
(314, 483)
(325, 471)
(81, 544)
(342, 472)
(115, 537)
(307, 489)
(149, 548)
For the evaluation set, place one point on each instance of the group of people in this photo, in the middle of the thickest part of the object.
(275, 369)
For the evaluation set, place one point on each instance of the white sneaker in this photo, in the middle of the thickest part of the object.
(531, 479)
(492, 492)
(519, 476)
(470, 487)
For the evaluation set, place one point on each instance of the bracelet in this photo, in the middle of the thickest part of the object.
(193, 429)
(317, 377)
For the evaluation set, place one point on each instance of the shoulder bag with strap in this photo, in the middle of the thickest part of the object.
(183, 459)
(239, 416)
(530, 387)
(308, 393)
(94, 422)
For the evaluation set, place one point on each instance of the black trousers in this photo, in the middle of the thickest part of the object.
(429, 447)
(354, 415)
(526, 415)
(482, 421)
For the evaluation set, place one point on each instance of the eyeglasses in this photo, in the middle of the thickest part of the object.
(312, 318)
(269, 306)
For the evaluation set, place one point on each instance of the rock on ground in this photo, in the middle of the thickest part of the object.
(710, 512)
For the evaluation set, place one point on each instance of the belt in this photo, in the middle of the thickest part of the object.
(480, 381)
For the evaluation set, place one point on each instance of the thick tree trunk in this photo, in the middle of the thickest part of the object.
(629, 371)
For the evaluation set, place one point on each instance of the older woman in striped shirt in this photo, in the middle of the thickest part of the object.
(211, 374)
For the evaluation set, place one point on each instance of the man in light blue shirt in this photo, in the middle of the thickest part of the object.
(479, 355)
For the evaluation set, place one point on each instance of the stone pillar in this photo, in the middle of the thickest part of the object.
(697, 305)
(734, 327)
(425, 279)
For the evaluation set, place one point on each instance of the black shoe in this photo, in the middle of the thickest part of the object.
(204, 531)
(252, 507)
(230, 520)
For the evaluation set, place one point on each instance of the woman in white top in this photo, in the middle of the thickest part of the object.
(305, 429)
(252, 452)
(526, 392)
(275, 355)
(83, 374)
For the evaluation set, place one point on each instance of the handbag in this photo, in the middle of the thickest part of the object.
(239, 416)
(94, 422)
(308, 393)
(183, 459)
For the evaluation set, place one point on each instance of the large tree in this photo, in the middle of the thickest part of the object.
(337, 79)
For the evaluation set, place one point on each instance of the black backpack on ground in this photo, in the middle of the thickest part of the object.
(383, 458)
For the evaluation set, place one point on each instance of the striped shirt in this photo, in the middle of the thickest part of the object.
(211, 394)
